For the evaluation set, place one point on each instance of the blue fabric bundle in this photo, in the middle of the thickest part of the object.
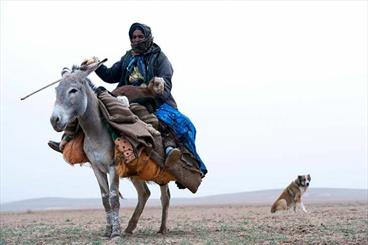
(183, 128)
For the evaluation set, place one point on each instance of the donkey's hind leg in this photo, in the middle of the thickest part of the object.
(104, 188)
(143, 195)
(165, 202)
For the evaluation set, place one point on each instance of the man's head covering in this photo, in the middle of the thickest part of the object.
(144, 45)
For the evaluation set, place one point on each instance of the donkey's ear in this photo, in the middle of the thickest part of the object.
(65, 71)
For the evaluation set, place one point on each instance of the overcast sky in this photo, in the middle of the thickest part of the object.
(275, 89)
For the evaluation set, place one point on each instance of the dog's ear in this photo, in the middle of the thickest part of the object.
(300, 178)
(309, 178)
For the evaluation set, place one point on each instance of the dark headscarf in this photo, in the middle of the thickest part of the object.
(144, 45)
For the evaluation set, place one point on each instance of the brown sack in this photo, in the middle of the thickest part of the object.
(186, 175)
(73, 152)
(143, 167)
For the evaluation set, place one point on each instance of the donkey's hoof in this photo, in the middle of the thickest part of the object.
(116, 232)
(108, 231)
(128, 232)
(162, 231)
(115, 238)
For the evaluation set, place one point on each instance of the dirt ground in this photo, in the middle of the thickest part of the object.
(344, 223)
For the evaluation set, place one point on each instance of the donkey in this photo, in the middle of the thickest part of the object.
(76, 99)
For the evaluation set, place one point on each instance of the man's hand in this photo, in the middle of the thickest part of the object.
(90, 61)
(157, 85)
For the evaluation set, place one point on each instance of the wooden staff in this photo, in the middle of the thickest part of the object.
(83, 67)
(25, 97)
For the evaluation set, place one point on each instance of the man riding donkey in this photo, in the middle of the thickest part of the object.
(144, 76)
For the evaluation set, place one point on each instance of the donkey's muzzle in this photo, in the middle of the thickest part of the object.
(57, 124)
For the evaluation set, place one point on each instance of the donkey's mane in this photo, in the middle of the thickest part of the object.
(91, 85)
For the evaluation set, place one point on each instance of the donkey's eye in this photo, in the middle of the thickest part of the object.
(73, 91)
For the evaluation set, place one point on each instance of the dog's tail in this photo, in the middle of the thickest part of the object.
(280, 204)
(273, 208)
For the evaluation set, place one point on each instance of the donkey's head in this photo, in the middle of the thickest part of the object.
(71, 99)
(72, 95)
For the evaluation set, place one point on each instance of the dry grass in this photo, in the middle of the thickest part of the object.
(325, 224)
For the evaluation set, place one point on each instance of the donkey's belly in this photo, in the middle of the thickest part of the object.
(99, 156)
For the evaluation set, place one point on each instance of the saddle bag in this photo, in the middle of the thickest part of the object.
(73, 152)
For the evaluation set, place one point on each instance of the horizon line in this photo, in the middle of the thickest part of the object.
(206, 196)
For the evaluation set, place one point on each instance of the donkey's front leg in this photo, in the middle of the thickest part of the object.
(114, 201)
(104, 188)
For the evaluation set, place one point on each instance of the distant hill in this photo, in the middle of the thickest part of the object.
(316, 195)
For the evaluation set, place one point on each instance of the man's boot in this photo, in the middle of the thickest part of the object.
(55, 146)
(184, 174)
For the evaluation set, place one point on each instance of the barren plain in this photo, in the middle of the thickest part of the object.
(326, 223)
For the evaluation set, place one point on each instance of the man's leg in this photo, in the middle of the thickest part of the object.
(59, 146)
(172, 153)
(70, 131)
